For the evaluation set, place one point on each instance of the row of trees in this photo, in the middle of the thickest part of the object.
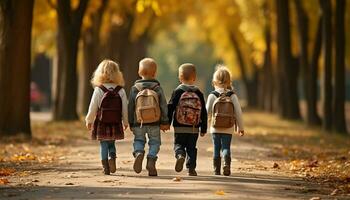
(256, 35)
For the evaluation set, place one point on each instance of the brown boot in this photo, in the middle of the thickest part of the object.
(111, 163)
(151, 166)
(180, 159)
(217, 166)
(105, 167)
(138, 162)
(227, 166)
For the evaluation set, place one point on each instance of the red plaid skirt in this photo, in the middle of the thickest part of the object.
(102, 131)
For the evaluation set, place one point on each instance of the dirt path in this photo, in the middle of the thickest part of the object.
(77, 175)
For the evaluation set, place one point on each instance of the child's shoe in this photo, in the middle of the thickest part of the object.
(105, 167)
(192, 172)
(138, 162)
(217, 165)
(180, 159)
(111, 163)
(151, 166)
(227, 166)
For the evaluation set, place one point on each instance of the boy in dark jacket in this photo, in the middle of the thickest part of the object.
(148, 115)
(187, 112)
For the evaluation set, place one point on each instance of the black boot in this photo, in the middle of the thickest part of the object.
(180, 159)
(138, 161)
(192, 172)
(105, 167)
(151, 166)
(111, 163)
(217, 165)
(227, 166)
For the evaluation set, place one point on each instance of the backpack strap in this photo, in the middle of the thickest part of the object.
(103, 88)
(228, 93)
(139, 87)
(117, 89)
(216, 93)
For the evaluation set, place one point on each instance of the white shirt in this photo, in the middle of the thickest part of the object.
(96, 102)
(238, 113)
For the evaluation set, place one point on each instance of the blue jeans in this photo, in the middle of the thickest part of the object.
(154, 141)
(222, 142)
(106, 148)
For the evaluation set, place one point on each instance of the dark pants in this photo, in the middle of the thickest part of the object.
(185, 143)
(222, 143)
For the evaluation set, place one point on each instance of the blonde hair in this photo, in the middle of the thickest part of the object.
(107, 72)
(222, 77)
(147, 67)
(187, 71)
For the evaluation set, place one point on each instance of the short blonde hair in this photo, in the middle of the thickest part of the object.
(222, 77)
(147, 67)
(187, 71)
(107, 72)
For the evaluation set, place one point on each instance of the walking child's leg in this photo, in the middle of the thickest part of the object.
(154, 142)
(216, 154)
(180, 143)
(192, 154)
(226, 152)
(104, 156)
(139, 147)
(112, 156)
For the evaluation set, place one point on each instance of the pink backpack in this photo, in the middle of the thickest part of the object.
(188, 110)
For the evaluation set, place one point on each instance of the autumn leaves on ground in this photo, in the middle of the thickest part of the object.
(276, 159)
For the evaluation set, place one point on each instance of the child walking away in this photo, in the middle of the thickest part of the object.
(186, 110)
(108, 111)
(225, 115)
(148, 115)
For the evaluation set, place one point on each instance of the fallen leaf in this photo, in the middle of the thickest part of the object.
(220, 192)
(275, 165)
(4, 181)
(315, 198)
(177, 179)
(69, 183)
(334, 192)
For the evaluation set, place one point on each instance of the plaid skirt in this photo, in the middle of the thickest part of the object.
(102, 131)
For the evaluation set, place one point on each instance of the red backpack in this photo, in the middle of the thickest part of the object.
(110, 110)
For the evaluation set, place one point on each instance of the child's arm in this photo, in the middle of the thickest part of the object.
(209, 106)
(164, 120)
(93, 107)
(204, 115)
(131, 107)
(124, 108)
(238, 113)
(171, 106)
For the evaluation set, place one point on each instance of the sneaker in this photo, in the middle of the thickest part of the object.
(138, 162)
(179, 163)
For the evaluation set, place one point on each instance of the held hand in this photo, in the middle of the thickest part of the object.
(202, 134)
(89, 126)
(164, 128)
(126, 126)
(241, 133)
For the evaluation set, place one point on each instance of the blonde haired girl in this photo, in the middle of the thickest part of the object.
(107, 78)
(222, 136)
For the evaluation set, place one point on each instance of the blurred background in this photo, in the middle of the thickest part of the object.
(289, 57)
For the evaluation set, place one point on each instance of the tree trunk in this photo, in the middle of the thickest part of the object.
(267, 76)
(15, 45)
(69, 25)
(91, 57)
(327, 74)
(250, 85)
(339, 89)
(289, 73)
(313, 117)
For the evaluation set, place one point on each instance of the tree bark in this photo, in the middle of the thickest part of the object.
(69, 25)
(288, 73)
(339, 89)
(91, 57)
(327, 74)
(15, 45)
(313, 117)
(250, 85)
